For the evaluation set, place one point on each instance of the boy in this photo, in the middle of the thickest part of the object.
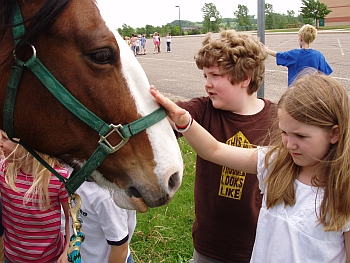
(143, 44)
(298, 59)
(227, 202)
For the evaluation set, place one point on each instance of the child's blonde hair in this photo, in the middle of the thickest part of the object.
(239, 55)
(38, 193)
(308, 33)
(319, 100)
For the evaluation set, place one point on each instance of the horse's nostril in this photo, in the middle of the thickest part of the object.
(134, 192)
(174, 178)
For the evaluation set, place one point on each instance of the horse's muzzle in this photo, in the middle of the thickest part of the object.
(151, 198)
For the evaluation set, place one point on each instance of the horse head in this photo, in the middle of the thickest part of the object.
(89, 58)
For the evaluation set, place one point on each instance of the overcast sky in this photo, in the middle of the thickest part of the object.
(138, 13)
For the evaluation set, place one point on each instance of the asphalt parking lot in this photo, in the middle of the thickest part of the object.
(176, 74)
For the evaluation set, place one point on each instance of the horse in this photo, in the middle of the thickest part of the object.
(82, 52)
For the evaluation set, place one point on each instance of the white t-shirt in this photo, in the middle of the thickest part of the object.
(293, 234)
(102, 220)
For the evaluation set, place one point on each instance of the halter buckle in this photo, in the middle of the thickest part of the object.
(115, 128)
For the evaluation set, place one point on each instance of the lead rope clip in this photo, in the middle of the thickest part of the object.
(77, 237)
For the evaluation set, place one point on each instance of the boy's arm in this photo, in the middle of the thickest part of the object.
(118, 253)
(267, 50)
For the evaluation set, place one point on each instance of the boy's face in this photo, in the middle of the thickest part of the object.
(222, 93)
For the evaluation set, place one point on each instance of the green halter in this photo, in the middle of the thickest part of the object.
(74, 106)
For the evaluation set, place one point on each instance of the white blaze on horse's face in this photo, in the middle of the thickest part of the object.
(167, 155)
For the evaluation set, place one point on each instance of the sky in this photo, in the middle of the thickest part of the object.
(138, 13)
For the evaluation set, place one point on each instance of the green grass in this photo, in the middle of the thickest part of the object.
(164, 234)
(346, 27)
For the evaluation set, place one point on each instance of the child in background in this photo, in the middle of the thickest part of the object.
(159, 43)
(304, 174)
(31, 207)
(138, 46)
(127, 41)
(233, 65)
(168, 42)
(143, 44)
(298, 59)
(133, 43)
(156, 42)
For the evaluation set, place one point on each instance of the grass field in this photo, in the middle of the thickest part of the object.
(164, 234)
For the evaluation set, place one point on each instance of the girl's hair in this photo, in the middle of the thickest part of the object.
(319, 100)
(308, 33)
(38, 193)
(239, 55)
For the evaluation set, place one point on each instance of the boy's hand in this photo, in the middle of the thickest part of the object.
(267, 50)
(175, 113)
(263, 46)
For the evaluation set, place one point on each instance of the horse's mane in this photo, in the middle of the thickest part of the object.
(50, 10)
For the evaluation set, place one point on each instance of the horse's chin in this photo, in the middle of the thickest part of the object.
(130, 199)
(132, 203)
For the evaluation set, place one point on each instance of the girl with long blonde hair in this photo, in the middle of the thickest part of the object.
(32, 198)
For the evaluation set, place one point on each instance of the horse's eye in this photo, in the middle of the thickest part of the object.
(102, 57)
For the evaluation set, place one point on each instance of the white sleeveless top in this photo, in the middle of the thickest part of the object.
(293, 233)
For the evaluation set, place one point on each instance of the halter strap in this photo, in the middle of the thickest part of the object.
(74, 106)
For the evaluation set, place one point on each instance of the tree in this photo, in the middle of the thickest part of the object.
(126, 30)
(228, 25)
(140, 30)
(291, 19)
(175, 30)
(243, 18)
(314, 10)
(149, 30)
(209, 11)
(270, 21)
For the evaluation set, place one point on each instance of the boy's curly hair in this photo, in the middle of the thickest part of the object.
(239, 55)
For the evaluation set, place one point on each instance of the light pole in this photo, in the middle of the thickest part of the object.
(261, 35)
(179, 20)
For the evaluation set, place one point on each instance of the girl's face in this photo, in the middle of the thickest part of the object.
(306, 143)
(7, 147)
(222, 93)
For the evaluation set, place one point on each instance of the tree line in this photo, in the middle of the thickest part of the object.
(311, 12)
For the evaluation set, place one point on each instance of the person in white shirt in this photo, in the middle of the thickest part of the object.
(304, 174)
(108, 228)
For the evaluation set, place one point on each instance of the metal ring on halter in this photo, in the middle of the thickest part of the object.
(33, 49)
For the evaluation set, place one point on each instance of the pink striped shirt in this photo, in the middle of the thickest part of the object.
(32, 235)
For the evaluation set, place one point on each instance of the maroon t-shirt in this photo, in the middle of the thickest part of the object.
(227, 202)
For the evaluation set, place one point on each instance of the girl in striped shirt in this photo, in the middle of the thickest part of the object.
(31, 207)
